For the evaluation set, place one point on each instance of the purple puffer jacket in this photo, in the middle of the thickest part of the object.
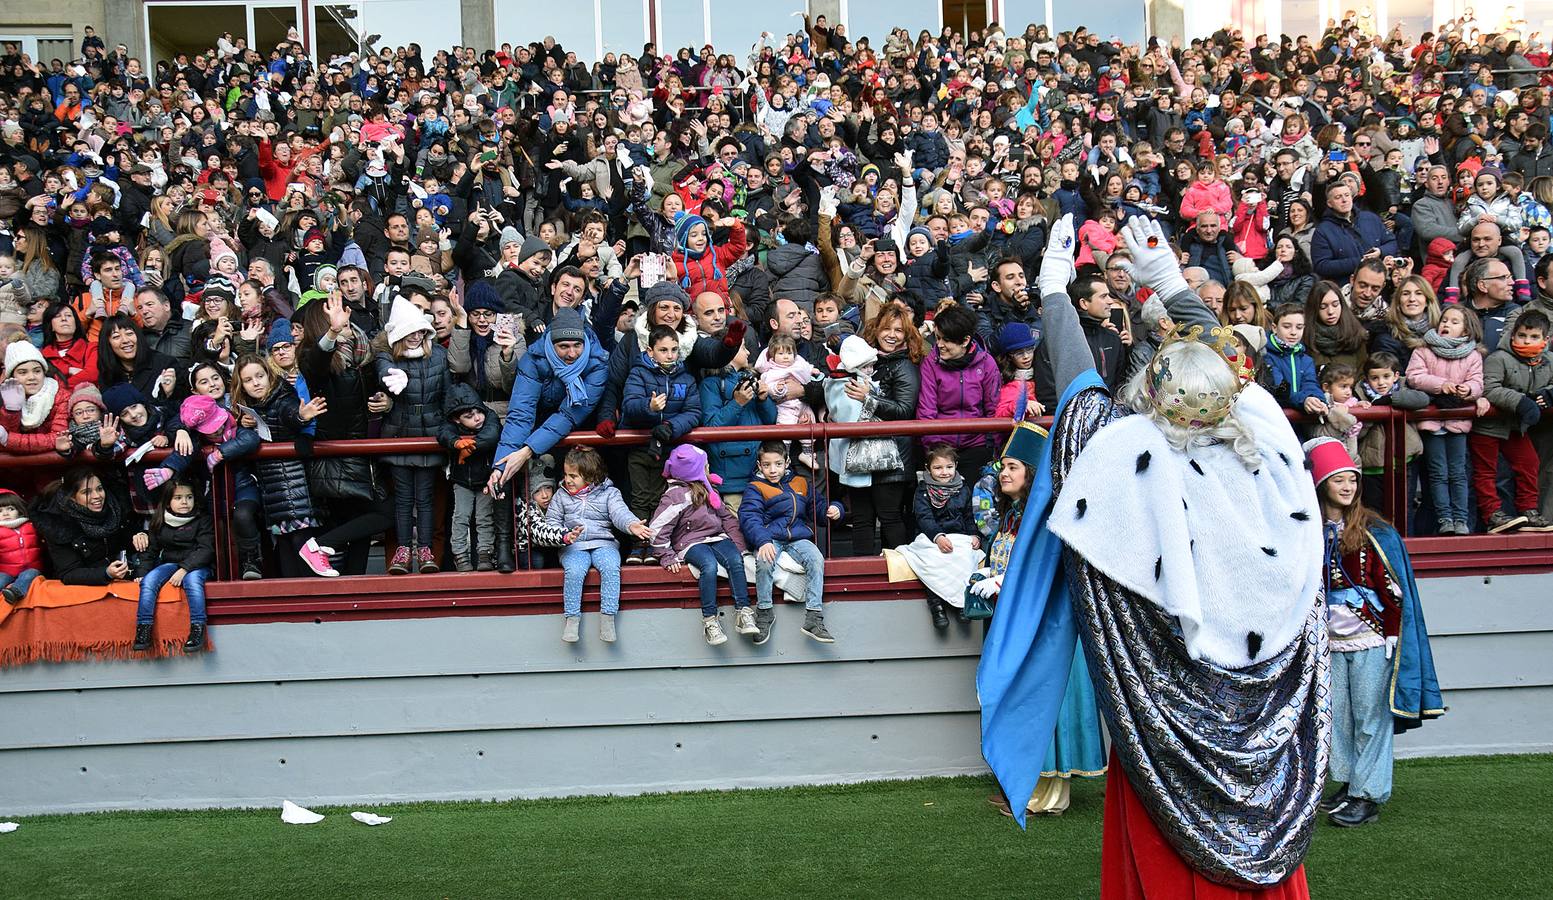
(966, 388)
(677, 525)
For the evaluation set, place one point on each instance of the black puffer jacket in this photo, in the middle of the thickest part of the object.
(81, 544)
(417, 410)
(899, 381)
(797, 275)
(283, 482)
(472, 471)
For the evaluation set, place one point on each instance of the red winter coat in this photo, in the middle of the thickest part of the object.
(710, 272)
(76, 361)
(24, 441)
(19, 547)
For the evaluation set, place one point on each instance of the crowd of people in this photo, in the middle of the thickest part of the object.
(498, 249)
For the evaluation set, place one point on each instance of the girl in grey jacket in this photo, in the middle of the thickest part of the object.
(590, 507)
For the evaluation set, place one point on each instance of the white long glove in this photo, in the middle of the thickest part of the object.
(1391, 647)
(1057, 268)
(828, 201)
(987, 587)
(1153, 262)
(395, 380)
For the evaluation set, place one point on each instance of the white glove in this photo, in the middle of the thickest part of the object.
(5, 436)
(395, 380)
(987, 588)
(1057, 269)
(1391, 647)
(12, 394)
(1153, 262)
(828, 201)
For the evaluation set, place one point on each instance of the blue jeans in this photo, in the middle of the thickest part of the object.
(706, 557)
(1361, 723)
(1445, 453)
(21, 581)
(193, 589)
(605, 558)
(813, 563)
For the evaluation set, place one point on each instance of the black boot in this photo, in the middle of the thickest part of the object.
(196, 641)
(1357, 811)
(142, 637)
(1334, 802)
(505, 561)
(935, 606)
(959, 613)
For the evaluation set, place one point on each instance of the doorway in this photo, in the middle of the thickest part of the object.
(965, 16)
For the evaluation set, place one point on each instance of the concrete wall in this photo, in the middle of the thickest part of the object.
(61, 17)
(498, 707)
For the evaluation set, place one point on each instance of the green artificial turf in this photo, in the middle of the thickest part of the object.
(1470, 827)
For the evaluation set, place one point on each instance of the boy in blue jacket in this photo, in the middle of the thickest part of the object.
(660, 395)
(1291, 371)
(775, 516)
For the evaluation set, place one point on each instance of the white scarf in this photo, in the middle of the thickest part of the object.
(1234, 555)
(173, 520)
(37, 408)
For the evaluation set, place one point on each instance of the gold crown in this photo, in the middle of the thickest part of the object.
(1203, 409)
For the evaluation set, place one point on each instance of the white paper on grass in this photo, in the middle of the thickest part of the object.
(367, 818)
(292, 814)
(8, 827)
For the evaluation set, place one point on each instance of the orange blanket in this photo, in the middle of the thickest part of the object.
(59, 622)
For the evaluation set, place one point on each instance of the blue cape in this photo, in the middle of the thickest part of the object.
(1415, 691)
(1028, 652)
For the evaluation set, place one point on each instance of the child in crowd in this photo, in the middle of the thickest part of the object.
(1536, 246)
(1290, 369)
(693, 527)
(1017, 366)
(90, 429)
(1339, 421)
(1517, 385)
(15, 298)
(206, 419)
(533, 529)
(776, 363)
(413, 367)
(1382, 385)
(140, 428)
(470, 436)
(1449, 369)
(588, 507)
(943, 510)
(181, 549)
(277, 414)
(21, 553)
(776, 517)
(1375, 628)
(660, 395)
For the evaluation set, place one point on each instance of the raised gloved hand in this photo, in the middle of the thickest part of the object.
(828, 201)
(735, 334)
(1153, 262)
(395, 380)
(12, 394)
(1057, 268)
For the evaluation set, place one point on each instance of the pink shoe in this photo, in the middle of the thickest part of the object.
(400, 565)
(317, 559)
(155, 478)
(428, 563)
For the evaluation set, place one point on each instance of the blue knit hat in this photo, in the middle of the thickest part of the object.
(280, 333)
(482, 295)
(683, 223)
(121, 397)
(1016, 336)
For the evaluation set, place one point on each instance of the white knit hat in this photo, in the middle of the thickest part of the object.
(21, 351)
(404, 319)
(856, 354)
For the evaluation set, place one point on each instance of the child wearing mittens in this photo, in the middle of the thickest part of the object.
(693, 526)
(414, 370)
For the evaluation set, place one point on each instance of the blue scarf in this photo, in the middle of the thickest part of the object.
(572, 374)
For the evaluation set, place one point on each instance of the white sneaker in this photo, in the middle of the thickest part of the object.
(744, 621)
(570, 633)
(714, 631)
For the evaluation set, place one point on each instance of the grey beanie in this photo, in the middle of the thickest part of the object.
(532, 246)
(665, 290)
(567, 326)
(509, 235)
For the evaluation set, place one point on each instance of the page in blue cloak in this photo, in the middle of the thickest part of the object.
(1028, 651)
(1415, 690)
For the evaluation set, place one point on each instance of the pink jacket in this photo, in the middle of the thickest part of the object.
(1427, 372)
(1091, 237)
(1013, 396)
(1199, 197)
